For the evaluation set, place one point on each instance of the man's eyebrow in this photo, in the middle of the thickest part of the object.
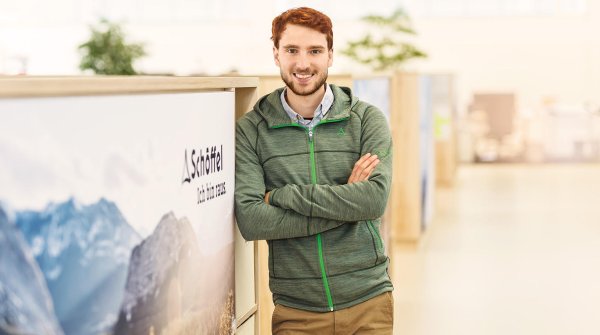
(312, 47)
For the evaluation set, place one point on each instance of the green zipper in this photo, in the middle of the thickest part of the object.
(313, 175)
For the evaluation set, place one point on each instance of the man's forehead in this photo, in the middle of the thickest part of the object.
(300, 36)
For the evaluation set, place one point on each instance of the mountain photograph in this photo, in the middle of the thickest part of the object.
(173, 288)
(83, 252)
(96, 276)
(26, 306)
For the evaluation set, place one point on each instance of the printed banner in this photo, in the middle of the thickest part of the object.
(116, 214)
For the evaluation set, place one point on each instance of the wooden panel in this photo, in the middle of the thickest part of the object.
(445, 162)
(267, 84)
(245, 293)
(248, 328)
(100, 85)
(245, 98)
(265, 299)
(405, 196)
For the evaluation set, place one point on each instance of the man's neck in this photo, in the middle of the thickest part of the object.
(305, 105)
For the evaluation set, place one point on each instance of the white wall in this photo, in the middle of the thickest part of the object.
(557, 57)
(551, 56)
(181, 36)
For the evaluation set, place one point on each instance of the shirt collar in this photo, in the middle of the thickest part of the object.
(322, 108)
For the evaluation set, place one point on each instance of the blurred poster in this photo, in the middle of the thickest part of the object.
(116, 214)
(375, 91)
(427, 149)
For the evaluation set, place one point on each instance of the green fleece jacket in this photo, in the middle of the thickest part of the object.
(325, 249)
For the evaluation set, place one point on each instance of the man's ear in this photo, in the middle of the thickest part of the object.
(330, 55)
(276, 55)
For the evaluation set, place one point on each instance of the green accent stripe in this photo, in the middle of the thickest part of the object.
(324, 276)
(313, 175)
(313, 167)
(332, 120)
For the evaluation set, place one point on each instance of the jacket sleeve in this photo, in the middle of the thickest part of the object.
(256, 219)
(358, 201)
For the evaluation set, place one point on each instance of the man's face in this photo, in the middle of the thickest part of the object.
(303, 59)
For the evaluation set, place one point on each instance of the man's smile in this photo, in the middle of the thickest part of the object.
(303, 77)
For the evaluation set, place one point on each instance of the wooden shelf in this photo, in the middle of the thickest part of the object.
(14, 87)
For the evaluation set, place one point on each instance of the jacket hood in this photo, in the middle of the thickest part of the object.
(271, 109)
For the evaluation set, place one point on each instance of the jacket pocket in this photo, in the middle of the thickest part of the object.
(379, 246)
(349, 248)
(295, 258)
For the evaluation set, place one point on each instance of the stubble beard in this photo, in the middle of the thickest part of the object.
(289, 82)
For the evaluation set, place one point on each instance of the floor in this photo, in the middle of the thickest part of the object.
(513, 249)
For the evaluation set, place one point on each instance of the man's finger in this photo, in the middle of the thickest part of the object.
(359, 166)
(362, 164)
(366, 173)
(362, 159)
(356, 168)
(368, 161)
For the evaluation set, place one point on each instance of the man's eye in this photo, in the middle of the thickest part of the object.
(291, 51)
(316, 51)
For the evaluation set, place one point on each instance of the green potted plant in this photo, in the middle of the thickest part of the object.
(387, 51)
(106, 52)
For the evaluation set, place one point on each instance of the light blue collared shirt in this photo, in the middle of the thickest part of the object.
(319, 114)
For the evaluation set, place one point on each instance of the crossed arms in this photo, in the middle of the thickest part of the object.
(303, 210)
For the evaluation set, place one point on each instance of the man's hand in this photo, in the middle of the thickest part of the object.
(363, 168)
(361, 171)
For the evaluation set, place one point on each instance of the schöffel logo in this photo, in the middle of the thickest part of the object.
(341, 132)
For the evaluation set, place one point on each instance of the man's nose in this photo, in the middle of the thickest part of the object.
(302, 62)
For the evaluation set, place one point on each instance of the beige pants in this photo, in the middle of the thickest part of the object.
(373, 317)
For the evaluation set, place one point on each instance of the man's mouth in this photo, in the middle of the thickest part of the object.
(302, 76)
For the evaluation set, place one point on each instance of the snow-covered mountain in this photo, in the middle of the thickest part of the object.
(25, 303)
(83, 252)
(163, 278)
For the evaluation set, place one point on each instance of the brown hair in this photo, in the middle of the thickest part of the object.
(306, 17)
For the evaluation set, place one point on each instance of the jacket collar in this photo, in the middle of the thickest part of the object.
(271, 109)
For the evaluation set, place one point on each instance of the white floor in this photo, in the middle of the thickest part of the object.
(513, 249)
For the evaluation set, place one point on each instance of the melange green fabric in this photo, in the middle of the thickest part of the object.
(325, 250)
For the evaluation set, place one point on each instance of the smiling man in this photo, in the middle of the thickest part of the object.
(313, 172)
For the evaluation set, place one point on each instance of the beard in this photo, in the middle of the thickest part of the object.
(320, 80)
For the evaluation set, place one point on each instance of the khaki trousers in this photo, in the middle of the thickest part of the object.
(374, 317)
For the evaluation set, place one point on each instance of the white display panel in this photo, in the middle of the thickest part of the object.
(128, 233)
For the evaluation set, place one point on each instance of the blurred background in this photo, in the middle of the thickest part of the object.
(526, 73)
(507, 94)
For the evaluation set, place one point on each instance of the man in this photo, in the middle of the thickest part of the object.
(313, 172)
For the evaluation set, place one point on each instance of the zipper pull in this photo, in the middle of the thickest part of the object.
(310, 134)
